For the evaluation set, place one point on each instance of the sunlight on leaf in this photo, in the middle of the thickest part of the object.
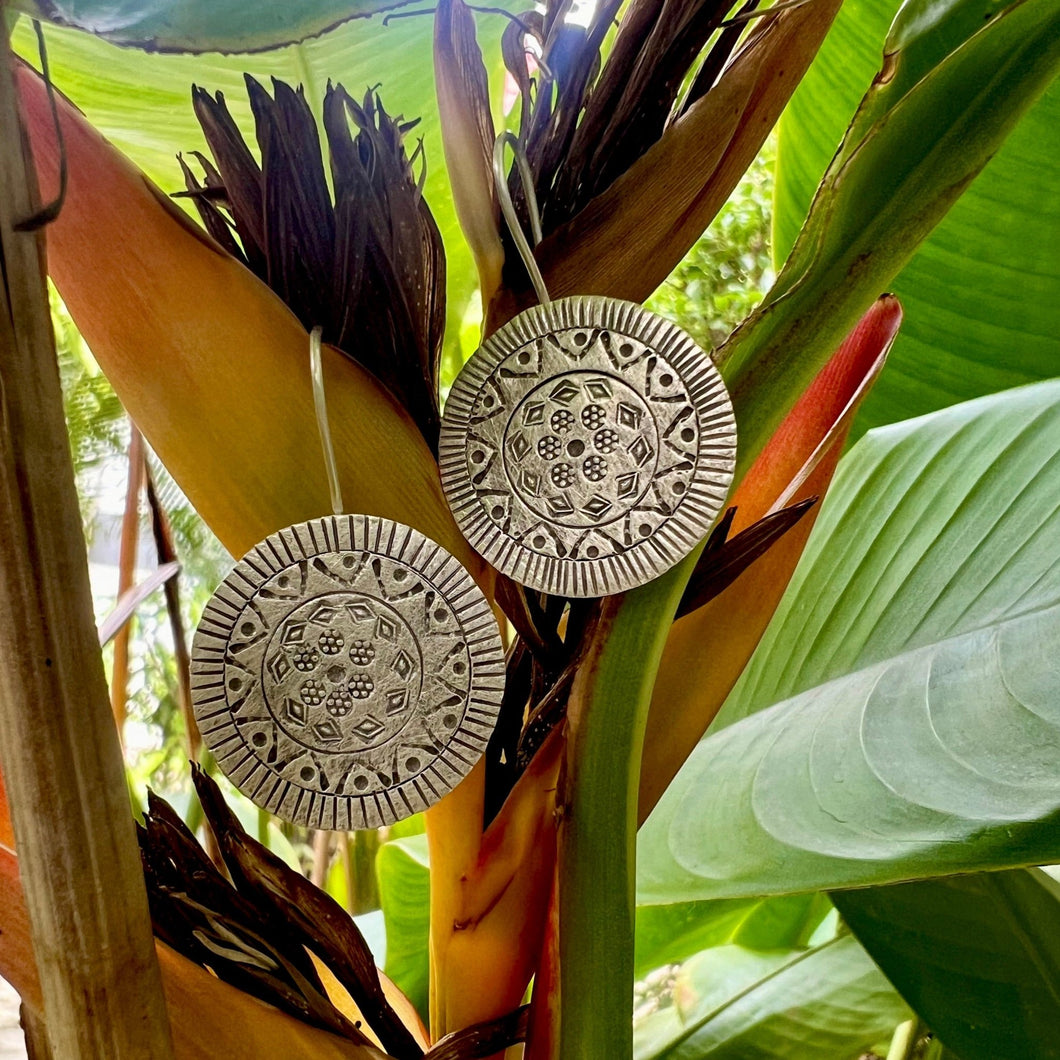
(916, 645)
(211, 365)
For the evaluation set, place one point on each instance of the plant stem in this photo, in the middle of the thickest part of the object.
(597, 839)
(321, 857)
(903, 1044)
(62, 765)
(130, 541)
(167, 553)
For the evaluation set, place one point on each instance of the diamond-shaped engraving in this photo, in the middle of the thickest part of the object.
(296, 711)
(564, 392)
(530, 481)
(402, 665)
(598, 389)
(360, 611)
(325, 614)
(533, 414)
(294, 633)
(279, 666)
(626, 484)
(368, 728)
(627, 415)
(521, 445)
(385, 628)
(597, 507)
(327, 731)
(641, 451)
(397, 700)
(559, 505)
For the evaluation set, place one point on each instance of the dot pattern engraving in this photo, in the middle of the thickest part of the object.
(347, 673)
(587, 447)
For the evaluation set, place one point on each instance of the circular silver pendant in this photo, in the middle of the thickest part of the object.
(587, 446)
(347, 673)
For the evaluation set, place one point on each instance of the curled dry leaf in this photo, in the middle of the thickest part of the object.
(208, 1017)
(483, 1039)
(721, 563)
(341, 999)
(467, 127)
(282, 895)
(202, 916)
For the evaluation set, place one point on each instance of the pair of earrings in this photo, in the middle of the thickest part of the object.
(349, 671)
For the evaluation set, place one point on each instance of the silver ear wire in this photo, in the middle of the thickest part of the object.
(316, 370)
(508, 208)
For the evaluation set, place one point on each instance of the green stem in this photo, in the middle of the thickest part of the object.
(597, 840)
(881, 197)
(903, 1044)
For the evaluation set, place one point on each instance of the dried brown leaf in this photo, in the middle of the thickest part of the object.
(630, 237)
(324, 926)
(483, 1039)
(468, 134)
(718, 568)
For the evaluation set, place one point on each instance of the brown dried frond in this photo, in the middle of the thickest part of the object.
(196, 911)
(258, 930)
(584, 123)
(368, 267)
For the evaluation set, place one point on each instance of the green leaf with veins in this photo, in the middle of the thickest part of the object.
(979, 296)
(977, 956)
(731, 1003)
(885, 191)
(204, 25)
(405, 888)
(667, 934)
(913, 663)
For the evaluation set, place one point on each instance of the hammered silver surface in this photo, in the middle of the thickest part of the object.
(587, 446)
(347, 673)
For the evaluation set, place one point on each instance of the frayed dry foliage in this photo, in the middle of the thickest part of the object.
(202, 916)
(636, 96)
(269, 931)
(368, 268)
(633, 156)
(326, 929)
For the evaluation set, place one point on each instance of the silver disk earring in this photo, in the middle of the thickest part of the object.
(348, 672)
(588, 445)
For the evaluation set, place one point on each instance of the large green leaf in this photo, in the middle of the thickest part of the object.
(933, 528)
(405, 892)
(204, 25)
(918, 641)
(980, 295)
(884, 192)
(977, 956)
(828, 1003)
(669, 934)
(142, 103)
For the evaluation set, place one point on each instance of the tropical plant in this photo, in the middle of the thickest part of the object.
(882, 736)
